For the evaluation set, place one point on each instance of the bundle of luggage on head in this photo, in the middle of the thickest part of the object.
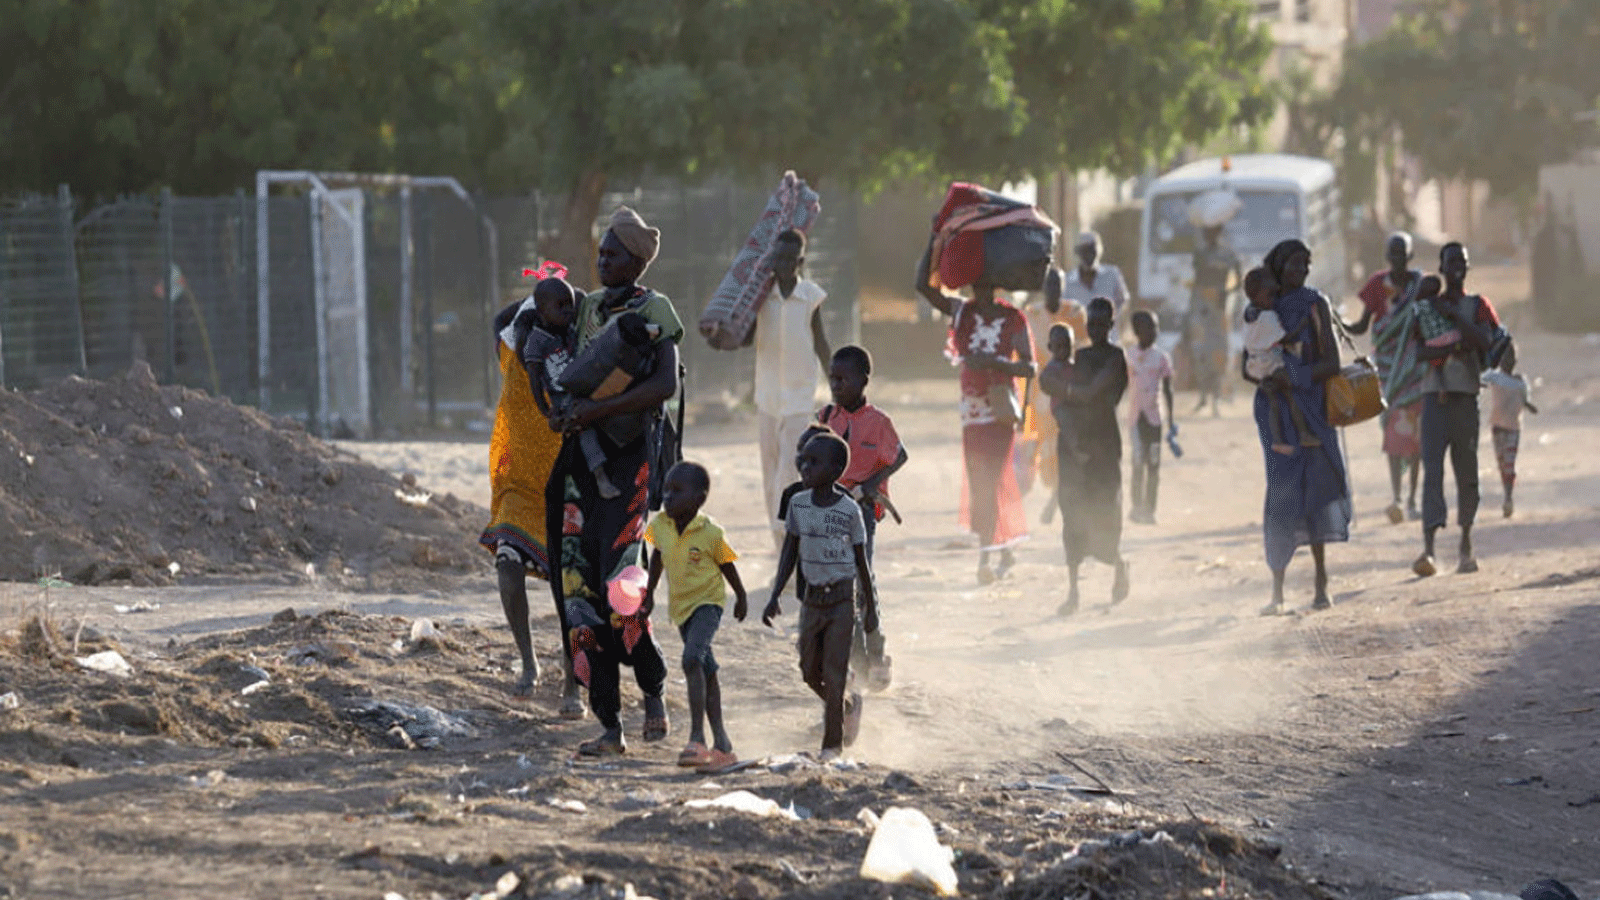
(981, 236)
(728, 322)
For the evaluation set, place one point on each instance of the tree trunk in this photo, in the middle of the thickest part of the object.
(574, 244)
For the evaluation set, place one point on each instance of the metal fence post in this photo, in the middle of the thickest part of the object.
(64, 199)
(169, 287)
(427, 307)
(4, 303)
(241, 276)
(263, 304)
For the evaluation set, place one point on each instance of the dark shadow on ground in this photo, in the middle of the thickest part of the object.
(1519, 797)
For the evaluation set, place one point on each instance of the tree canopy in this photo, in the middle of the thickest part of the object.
(128, 95)
(1481, 89)
(570, 96)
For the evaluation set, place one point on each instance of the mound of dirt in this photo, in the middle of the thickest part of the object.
(128, 480)
(333, 681)
(419, 775)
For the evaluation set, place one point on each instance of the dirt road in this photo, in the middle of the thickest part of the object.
(1424, 734)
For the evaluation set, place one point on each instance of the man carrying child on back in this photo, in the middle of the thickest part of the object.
(875, 454)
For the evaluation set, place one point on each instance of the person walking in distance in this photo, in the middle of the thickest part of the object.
(1150, 382)
(790, 347)
(1388, 305)
(1508, 397)
(1453, 332)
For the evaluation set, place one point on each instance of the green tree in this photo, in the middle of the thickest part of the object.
(861, 90)
(128, 95)
(1481, 89)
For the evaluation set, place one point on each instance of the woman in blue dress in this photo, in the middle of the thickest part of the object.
(1308, 494)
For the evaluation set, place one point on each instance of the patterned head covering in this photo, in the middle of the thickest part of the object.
(640, 239)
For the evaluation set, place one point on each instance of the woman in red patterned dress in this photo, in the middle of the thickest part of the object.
(990, 341)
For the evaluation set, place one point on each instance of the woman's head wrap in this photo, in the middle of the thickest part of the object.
(640, 239)
(1278, 257)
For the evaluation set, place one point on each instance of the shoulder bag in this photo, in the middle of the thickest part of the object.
(1355, 392)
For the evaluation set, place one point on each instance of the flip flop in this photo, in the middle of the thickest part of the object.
(695, 755)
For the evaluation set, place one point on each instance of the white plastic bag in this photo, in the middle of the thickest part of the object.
(1214, 207)
(108, 661)
(746, 802)
(905, 850)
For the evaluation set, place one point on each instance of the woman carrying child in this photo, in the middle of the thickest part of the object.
(1090, 449)
(990, 340)
(602, 535)
(1308, 496)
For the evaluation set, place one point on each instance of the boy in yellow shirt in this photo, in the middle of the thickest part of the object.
(691, 550)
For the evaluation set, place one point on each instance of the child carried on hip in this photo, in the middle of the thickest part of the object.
(1264, 344)
(558, 373)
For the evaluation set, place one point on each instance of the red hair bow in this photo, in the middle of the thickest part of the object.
(548, 269)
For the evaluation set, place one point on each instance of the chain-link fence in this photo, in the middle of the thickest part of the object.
(166, 280)
(41, 329)
(288, 322)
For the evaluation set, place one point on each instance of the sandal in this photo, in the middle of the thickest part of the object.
(694, 755)
(602, 746)
(717, 761)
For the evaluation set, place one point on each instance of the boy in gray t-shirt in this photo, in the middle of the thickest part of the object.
(826, 538)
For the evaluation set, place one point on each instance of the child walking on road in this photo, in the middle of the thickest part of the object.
(1149, 376)
(875, 454)
(1508, 397)
(695, 557)
(826, 538)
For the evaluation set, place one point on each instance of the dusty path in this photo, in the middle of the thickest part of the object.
(1439, 734)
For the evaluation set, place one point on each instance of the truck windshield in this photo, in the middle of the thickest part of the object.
(1265, 218)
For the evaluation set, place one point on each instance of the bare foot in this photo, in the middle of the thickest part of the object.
(1285, 449)
(526, 683)
(571, 704)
